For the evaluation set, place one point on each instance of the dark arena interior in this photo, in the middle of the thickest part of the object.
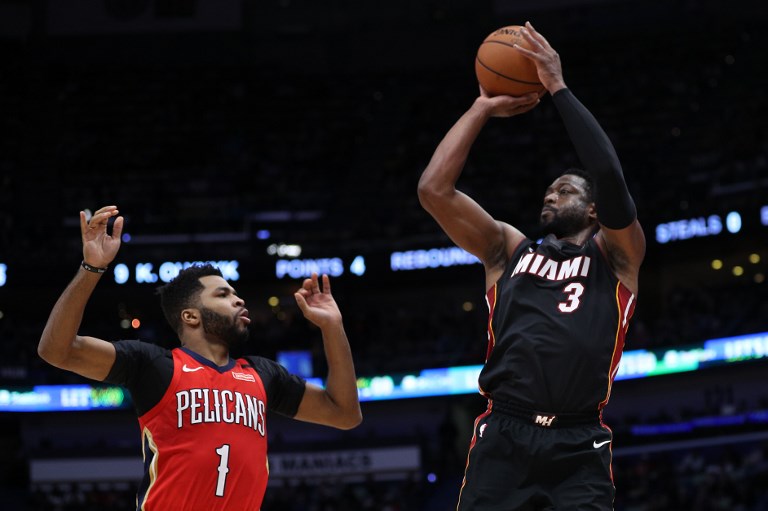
(282, 137)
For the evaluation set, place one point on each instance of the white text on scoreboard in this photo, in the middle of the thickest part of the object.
(700, 227)
(145, 273)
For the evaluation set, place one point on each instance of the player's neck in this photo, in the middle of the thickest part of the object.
(579, 238)
(217, 353)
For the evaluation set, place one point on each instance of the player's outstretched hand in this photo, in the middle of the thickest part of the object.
(546, 58)
(317, 304)
(99, 247)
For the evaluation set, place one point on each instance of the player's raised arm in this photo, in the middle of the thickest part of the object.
(338, 404)
(59, 344)
(463, 219)
(620, 230)
(621, 233)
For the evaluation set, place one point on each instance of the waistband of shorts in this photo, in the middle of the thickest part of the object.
(544, 419)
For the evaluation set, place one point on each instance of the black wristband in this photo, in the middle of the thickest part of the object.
(93, 269)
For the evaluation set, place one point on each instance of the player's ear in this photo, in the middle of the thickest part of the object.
(190, 317)
(592, 212)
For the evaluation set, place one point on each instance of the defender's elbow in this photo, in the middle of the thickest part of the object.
(350, 420)
(46, 351)
(46, 354)
(42, 347)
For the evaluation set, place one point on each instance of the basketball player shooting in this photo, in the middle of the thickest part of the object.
(201, 413)
(558, 310)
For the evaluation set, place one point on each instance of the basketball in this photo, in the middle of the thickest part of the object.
(502, 70)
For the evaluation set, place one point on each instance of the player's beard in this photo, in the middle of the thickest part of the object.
(566, 222)
(229, 329)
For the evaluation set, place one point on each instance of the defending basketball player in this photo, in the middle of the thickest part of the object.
(201, 413)
(559, 309)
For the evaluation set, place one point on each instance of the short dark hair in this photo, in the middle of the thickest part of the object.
(587, 177)
(183, 292)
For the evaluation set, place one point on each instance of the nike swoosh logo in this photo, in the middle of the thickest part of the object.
(596, 445)
(190, 369)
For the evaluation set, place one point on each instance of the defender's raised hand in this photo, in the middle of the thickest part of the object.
(317, 304)
(99, 247)
(337, 404)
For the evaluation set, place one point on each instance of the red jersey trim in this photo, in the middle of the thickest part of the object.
(472, 443)
(490, 299)
(625, 307)
(147, 442)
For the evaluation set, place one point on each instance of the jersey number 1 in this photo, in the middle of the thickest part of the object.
(574, 290)
(223, 469)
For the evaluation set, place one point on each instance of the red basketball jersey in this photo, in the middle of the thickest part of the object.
(205, 442)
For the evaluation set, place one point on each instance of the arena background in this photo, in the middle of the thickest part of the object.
(241, 132)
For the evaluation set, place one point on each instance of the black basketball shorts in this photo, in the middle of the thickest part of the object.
(536, 463)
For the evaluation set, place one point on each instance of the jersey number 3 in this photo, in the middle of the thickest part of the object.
(573, 291)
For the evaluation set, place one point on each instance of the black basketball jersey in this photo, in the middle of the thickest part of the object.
(556, 327)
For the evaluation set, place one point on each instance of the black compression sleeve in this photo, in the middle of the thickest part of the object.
(615, 207)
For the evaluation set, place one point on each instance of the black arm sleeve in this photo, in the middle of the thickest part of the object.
(284, 390)
(615, 207)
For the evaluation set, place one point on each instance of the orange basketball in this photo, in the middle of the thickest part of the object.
(501, 69)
